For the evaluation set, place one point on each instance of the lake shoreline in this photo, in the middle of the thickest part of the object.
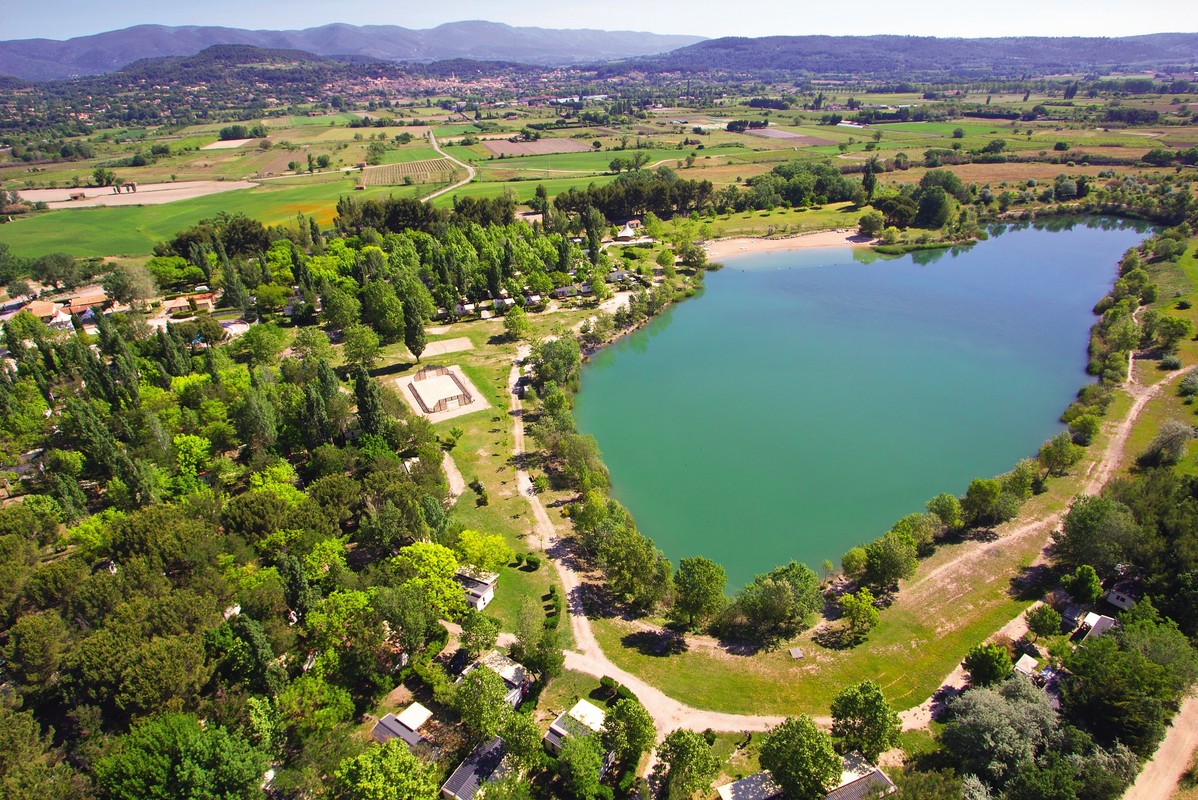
(738, 245)
(827, 240)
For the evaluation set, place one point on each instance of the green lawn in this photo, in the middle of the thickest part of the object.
(786, 220)
(524, 190)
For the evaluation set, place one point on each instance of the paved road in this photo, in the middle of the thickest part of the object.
(470, 173)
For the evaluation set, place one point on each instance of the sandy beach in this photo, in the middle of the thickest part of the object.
(722, 248)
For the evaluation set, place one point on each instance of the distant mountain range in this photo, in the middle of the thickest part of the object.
(47, 59)
(918, 56)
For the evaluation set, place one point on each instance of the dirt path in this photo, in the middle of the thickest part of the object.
(1099, 473)
(668, 714)
(1161, 775)
(1113, 456)
(1097, 476)
(469, 170)
(457, 484)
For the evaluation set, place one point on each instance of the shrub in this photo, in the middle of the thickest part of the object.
(532, 561)
(987, 664)
(1170, 363)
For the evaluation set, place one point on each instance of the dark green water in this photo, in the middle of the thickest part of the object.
(807, 400)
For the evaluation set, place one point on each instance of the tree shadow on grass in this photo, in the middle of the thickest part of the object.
(837, 637)
(941, 700)
(735, 644)
(392, 369)
(659, 644)
(600, 603)
(1032, 582)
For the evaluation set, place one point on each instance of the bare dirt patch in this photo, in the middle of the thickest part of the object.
(790, 137)
(147, 194)
(226, 144)
(434, 349)
(538, 148)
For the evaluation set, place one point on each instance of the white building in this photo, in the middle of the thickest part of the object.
(581, 720)
(479, 586)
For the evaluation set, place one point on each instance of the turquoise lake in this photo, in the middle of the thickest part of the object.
(806, 400)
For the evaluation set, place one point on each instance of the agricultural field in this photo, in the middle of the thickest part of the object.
(539, 147)
(134, 230)
(408, 172)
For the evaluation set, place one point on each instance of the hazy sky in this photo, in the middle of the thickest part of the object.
(62, 19)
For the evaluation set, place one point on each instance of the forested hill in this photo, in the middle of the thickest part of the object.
(919, 56)
(45, 59)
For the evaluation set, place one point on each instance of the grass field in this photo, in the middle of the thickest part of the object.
(523, 190)
(134, 230)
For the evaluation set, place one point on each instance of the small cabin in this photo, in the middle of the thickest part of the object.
(405, 727)
(1123, 595)
(479, 587)
(516, 678)
(584, 719)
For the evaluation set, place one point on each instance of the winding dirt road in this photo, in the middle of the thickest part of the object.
(470, 172)
(1162, 774)
(588, 657)
(669, 714)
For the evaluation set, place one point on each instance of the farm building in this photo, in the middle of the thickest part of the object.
(200, 301)
(53, 314)
(81, 303)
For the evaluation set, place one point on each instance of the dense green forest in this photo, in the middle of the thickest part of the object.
(223, 553)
